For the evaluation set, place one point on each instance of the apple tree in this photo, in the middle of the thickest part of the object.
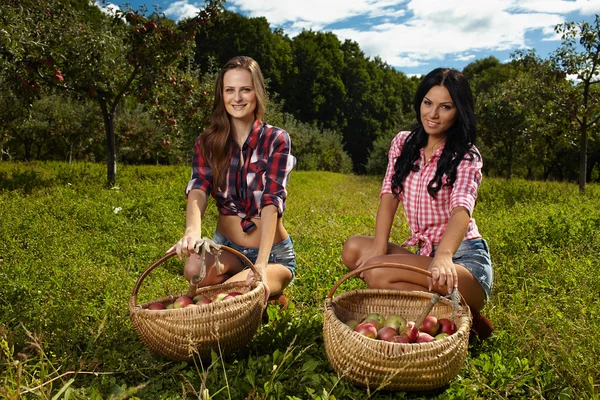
(80, 51)
(579, 56)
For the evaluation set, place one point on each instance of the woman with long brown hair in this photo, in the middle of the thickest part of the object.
(245, 165)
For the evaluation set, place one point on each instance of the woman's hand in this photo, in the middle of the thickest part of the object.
(367, 255)
(185, 246)
(263, 272)
(443, 273)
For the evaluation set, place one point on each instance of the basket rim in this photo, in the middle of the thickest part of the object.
(137, 308)
(133, 298)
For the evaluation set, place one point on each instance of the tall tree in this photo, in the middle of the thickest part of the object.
(72, 46)
(584, 64)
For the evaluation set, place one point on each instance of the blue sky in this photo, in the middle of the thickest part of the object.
(414, 36)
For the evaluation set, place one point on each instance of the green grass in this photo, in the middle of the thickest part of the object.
(69, 261)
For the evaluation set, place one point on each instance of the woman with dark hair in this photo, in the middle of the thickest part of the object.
(245, 165)
(435, 172)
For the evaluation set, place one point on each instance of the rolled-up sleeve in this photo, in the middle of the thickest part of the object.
(279, 167)
(468, 179)
(201, 172)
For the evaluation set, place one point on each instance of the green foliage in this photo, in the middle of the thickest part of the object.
(71, 251)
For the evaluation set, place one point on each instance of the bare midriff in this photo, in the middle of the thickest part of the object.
(230, 227)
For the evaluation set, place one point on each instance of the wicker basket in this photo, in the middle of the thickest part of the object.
(394, 366)
(183, 333)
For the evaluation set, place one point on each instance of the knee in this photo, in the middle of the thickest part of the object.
(373, 278)
(350, 252)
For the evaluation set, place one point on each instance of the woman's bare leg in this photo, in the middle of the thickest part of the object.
(392, 278)
(278, 277)
(230, 266)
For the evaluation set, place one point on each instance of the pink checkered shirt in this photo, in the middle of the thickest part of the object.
(428, 217)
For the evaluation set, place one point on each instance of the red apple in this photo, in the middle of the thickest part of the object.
(157, 306)
(440, 336)
(396, 322)
(376, 319)
(352, 323)
(219, 297)
(430, 325)
(232, 295)
(387, 333)
(413, 334)
(424, 337)
(182, 302)
(366, 329)
(446, 326)
(401, 339)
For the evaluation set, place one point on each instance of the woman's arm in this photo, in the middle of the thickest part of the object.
(442, 268)
(196, 206)
(268, 216)
(388, 205)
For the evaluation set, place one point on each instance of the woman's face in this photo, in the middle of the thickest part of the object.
(438, 112)
(239, 95)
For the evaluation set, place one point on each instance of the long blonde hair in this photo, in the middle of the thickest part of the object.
(216, 142)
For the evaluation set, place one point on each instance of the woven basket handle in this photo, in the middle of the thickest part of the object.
(136, 288)
(406, 267)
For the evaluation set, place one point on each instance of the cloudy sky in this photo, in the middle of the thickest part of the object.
(414, 36)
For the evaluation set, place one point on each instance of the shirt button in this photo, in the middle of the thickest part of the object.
(245, 251)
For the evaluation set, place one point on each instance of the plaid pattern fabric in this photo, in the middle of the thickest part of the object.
(257, 182)
(428, 217)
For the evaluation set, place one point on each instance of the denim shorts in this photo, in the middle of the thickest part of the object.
(474, 255)
(281, 253)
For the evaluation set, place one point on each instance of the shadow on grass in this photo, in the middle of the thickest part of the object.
(26, 181)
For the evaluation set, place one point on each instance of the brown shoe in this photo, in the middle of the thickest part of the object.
(280, 300)
(482, 326)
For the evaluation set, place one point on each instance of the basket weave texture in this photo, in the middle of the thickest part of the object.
(184, 333)
(395, 366)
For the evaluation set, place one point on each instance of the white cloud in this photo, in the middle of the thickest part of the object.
(109, 9)
(317, 12)
(409, 33)
(179, 10)
(585, 7)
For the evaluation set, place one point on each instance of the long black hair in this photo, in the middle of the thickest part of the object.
(460, 138)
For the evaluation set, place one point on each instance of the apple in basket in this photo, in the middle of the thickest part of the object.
(412, 333)
(157, 306)
(376, 319)
(232, 295)
(366, 329)
(219, 297)
(446, 326)
(430, 325)
(202, 299)
(395, 321)
(182, 302)
(401, 339)
(440, 336)
(424, 337)
(387, 334)
(352, 323)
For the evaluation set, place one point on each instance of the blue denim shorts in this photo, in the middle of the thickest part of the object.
(281, 253)
(474, 255)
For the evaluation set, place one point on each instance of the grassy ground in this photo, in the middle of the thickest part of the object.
(71, 251)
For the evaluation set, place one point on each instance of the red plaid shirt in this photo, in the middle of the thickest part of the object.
(259, 182)
(428, 217)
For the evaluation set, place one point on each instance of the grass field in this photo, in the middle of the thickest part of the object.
(71, 251)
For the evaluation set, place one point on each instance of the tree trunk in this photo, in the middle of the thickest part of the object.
(111, 148)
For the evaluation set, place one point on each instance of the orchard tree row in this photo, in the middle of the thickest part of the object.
(76, 83)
